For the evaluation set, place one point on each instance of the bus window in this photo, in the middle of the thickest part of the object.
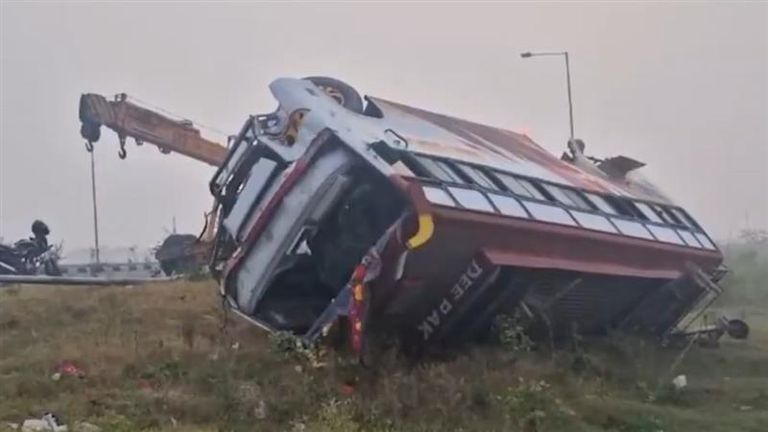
(648, 212)
(686, 218)
(567, 197)
(601, 203)
(439, 169)
(672, 216)
(477, 176)
(530, 186)
(513, 185)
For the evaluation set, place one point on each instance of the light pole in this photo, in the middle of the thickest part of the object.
(567, 77)
(95, 212)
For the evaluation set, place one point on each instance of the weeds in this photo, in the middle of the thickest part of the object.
(333, 416)
(531, 405)
(640, 424)
(511, 333)
(293, 348)
(156, 359)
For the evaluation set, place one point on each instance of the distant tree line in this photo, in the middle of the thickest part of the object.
(747, 259)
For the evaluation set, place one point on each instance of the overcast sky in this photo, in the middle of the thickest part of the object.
(681, 87)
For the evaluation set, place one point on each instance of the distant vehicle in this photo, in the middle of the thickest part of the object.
(179, 254)
(31, 256)
(386, 218)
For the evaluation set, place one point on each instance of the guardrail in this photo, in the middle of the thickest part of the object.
(69, 280)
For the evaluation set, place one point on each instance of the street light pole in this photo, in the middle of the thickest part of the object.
(570, 98)
(567, 79)
(95, 212)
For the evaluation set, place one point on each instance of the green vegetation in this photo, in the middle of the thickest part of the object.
(165, 357)
(747, 259)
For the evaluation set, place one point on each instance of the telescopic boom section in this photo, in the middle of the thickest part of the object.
(144, 125)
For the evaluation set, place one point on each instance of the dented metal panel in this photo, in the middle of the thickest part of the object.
(347, 230)
(296, 210)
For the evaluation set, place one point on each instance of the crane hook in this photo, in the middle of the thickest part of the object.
(89, 146)
(122, 153)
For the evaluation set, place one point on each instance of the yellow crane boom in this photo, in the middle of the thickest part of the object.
(142, 124)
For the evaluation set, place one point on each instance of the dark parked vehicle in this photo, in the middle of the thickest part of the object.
(30, 256)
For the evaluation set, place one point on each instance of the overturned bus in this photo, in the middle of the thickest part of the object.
(378, 217)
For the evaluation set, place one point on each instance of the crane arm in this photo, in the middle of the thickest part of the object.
(128, 119)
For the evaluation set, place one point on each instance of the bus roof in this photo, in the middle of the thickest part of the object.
(454, 138)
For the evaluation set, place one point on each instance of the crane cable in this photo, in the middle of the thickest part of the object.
(171, 114)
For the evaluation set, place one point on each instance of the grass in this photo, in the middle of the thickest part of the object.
(159, 357)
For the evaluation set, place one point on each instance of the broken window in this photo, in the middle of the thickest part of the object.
(300, 245)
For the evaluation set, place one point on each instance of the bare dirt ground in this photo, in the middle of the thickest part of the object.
(158, 357)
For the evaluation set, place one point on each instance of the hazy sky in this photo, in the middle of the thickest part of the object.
(681, 87)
